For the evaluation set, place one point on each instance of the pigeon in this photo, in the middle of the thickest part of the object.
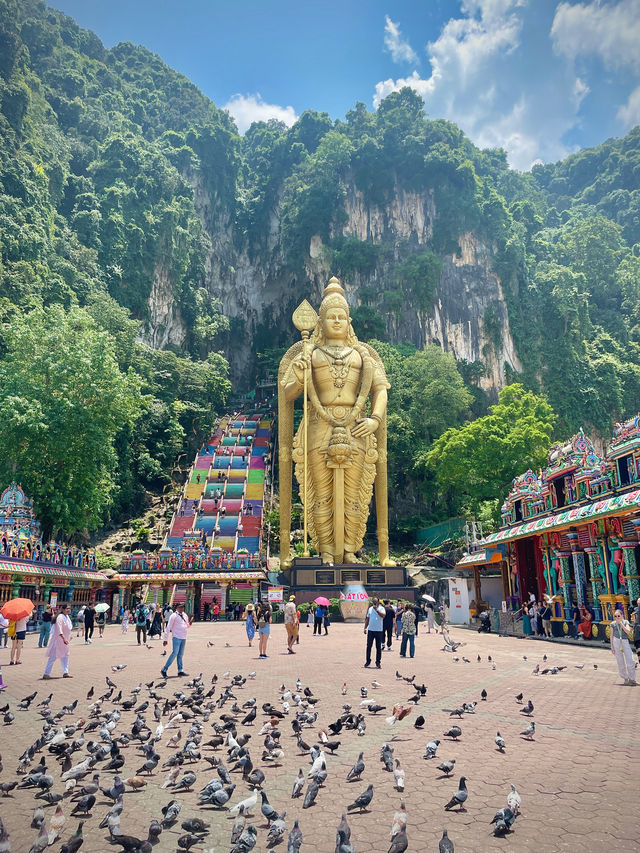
(247, 840)
(186, 783)
(170, 813)
(267, 809)
(362, 801)
(419, 723)
(5, 844)
(499, 741)
(399, 819)
(503, 820)
(400, 842)
(41, 841)
(116, 809)
(276, 831)
(447, 767)
(398, 775)
(246, 805)
(445, 844)
(431, 749)
(519, 698)
(84, 804)
(357, 770)
(56, 825)
(312, 793)
(529, 731)
(75, 842)
(195, 824)
(454, 732)
(514, 800)
(238, 826)
(298, 785)
(294, 842)
(484, 695)
(460, 796)
(38, 817)
(528, 708)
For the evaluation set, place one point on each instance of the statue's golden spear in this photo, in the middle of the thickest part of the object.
(305, 319)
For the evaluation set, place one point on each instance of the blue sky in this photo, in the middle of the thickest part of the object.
(541, 78)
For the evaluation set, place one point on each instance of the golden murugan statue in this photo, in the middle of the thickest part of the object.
(345, 452)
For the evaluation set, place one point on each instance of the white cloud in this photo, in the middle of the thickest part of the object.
(399, 48)
(246, 109)
(494, 73)
(610, 31)
(629, 114)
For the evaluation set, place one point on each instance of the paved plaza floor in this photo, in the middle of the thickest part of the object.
(578, 778)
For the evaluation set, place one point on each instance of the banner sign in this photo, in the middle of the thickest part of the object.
(275, 593)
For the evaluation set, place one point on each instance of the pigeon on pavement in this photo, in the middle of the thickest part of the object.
(362, 801)
(460, 796)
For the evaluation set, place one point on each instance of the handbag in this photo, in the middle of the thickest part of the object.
(262, 622)
(11, 630)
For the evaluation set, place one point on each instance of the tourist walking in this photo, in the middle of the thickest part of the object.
(373, 630)
(409, 631)
(125, 621)
(58, 648)
(101, 621)
(250, 623)
(387, 622)
(264, 627)
(317, 620)
(431, 617)
(399, 612)
(80, 621)
(141, 623)
(326, 621)
(636, 628)
(527, 630)
(19, 633)
(89, 622)
(545, 615)
(290, 623)
(178, 626)
(621, 633)
(45, 627)
(157, 624)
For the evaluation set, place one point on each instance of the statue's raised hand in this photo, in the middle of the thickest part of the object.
(300, 365)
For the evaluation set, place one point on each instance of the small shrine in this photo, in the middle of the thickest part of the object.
(16, 514)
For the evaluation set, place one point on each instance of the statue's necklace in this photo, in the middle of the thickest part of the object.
(338, 364)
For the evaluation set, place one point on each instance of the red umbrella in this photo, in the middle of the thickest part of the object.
(323, 601)
(17, 608)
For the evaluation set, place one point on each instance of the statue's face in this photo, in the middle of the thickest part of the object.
(336, 323)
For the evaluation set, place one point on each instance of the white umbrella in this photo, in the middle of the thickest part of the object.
(102, 607)
(429, 598)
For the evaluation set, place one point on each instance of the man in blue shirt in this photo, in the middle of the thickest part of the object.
(373, 630)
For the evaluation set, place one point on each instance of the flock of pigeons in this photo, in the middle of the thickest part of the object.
(77, 763)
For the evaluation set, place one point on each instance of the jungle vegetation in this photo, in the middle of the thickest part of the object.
(102, 153)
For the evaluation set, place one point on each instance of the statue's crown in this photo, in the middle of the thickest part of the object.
(334, 286)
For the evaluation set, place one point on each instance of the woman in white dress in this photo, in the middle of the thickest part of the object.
(58, 648)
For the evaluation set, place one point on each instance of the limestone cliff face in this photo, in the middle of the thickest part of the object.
(165, 325)
(259, 292)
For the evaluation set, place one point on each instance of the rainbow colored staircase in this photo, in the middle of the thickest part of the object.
(223, 498)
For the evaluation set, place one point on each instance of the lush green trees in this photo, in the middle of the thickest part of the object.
(477, 462)
(63, 401)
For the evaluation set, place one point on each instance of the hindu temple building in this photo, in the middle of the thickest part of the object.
(570, 532)
(45, 572)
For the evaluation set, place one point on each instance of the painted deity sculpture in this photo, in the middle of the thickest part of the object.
(346, 448)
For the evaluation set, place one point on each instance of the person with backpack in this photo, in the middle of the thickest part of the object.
(635, 618)
(141, 622)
